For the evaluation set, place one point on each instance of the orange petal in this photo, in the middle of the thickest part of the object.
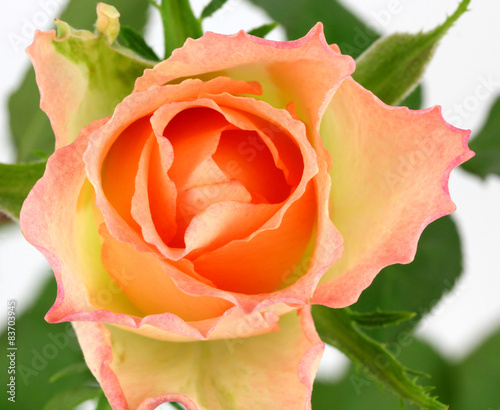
(154, 200)
(142, 373)
(389, 180)
(136, 107)
(120, 167)
(146, 282)
(253, 167)
(262, 264)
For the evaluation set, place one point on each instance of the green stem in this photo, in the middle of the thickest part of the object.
(336, 327)
(461, 9)
(179, 23)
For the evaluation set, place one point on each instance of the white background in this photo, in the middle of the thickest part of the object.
(468, 56)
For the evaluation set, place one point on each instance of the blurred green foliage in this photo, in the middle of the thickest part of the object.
(486, 145)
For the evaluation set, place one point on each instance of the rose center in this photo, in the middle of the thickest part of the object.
(214, 161)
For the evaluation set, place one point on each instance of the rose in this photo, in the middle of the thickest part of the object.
(241, 181)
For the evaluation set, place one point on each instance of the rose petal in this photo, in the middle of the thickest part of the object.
(138, 372)
(146, 282)
(305, 71)
(58, 218)
(120, 167)
(61, 85)
(261, 264)
(80, 77)
(133, 108)
(389, 180)
(154, 200)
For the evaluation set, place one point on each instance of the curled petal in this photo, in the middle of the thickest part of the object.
(58, 218)
(305, 71)
(80, 76)
(132, 116)
(137, 372)
(389, 180)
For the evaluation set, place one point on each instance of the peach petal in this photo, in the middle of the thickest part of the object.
(389, 180)
(74, 89)
(223, 222)
(262, 264)
(133, 108)
(233, 323)
(217, 218)
(138, 372)
(146, 282)
(120, 167)
(154, 199)
(201, 197)
(205, 173)
(283, 135)
(193, 129)
(325, 248)
(61, 84)
(58, 219)
(254, 168)
(305, 71)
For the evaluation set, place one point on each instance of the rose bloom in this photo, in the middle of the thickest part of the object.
(240, 182)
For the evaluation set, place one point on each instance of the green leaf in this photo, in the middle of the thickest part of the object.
(211, 8)
(418, 286)
(414, 99)
(263, 30)
(341, 26)
(74, 368)
(179, 23)
(30, 126)
(134, 41)
(69, 399)
(478, 377)
(380, 319)
(16, 181)
(392, 67)
(336, 328)
(42, 350)
(486, 145)
(357, 389)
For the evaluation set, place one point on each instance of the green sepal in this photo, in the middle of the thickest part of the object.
(336, 328)
(379, 318)
(263, 30)
(486, 145)
(211, 8)
(16, 181)
(393, 66)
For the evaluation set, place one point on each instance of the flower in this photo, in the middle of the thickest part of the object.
(240, 182)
